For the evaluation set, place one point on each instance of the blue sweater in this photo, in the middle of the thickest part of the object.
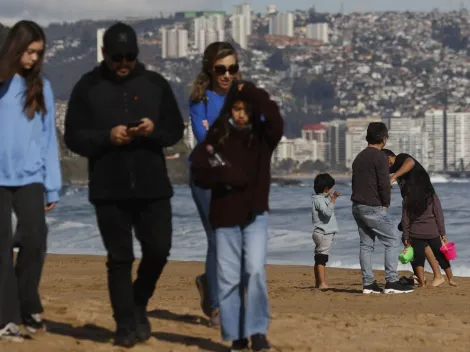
(28, 147)
(198, 114)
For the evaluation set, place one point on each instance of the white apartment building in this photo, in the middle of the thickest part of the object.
(215, 24)
(408, 135)
(458, 141)
(174, 43)
(454, 150)
(318, 31)
(284, 150)
(434, 127)
(239, 33)
(298, 149)
(271, 9)
(317, 132)
(245, 10)
(99, 44)
(282, 23)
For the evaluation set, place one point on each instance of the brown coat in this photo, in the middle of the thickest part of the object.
(240, 191)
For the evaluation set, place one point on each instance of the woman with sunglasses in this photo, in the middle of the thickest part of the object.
(29, 172)
(219, 70)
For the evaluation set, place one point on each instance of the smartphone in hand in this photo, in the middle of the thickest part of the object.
(134, 124)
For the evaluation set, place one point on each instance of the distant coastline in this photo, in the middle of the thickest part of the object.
(304, 176)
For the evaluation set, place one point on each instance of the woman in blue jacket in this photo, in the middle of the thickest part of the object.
(219, 69)
(30, 177)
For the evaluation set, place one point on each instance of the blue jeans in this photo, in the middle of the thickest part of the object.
(202, 198)
(241, 260)
(375, 222)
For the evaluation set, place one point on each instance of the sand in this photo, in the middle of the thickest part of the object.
(77, 308)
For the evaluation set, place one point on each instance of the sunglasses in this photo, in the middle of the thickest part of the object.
(221, 70)
(119, 57)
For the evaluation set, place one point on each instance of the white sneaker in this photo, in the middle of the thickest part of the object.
(11, 332)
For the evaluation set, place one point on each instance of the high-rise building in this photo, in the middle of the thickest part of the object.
(434, 127)
(458, 141)
(318, 31)
(282, 24)
(99, 44)
(316, 133)
(214, 24)
(174, 43)
(271, 9)
(182, 43)
(245, 10)
(453, 150)
(407, 135)
(336, 146)
(211, 36)
(239, 31)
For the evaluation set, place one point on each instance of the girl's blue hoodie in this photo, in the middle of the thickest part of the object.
(28, 147)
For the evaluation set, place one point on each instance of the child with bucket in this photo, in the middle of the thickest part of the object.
(405, 170)
(423, 224)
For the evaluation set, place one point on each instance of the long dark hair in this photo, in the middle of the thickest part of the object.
(214, 51)
(419, 194)
(18, 40)
(220, 130)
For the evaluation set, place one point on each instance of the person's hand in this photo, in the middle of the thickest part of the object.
(334, 195)
(205, 124)
(49, 207)
(392, 180)
(385, 208)
(119, 135)
(444, 239)
(144, 129)
(405, 242)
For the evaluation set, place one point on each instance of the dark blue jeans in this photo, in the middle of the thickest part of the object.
(202, 198)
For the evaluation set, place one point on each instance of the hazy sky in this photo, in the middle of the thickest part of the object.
(45, 11)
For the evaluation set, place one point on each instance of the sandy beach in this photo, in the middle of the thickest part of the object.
(79, 318)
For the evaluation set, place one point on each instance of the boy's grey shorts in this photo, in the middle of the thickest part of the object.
(323, 242)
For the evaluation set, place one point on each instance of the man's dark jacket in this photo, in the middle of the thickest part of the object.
(101, 101)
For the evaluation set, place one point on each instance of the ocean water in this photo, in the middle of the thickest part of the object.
(73, 230)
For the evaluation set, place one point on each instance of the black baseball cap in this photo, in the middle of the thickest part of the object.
(120, 39)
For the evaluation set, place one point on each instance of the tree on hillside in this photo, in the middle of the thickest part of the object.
(276, 61)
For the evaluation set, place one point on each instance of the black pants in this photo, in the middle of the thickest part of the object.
(151, 221)
(19, 284)
(435, 244)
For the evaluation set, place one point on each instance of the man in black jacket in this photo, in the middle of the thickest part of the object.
(120, 116)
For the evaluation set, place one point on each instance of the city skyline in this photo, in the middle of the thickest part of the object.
(46, 11)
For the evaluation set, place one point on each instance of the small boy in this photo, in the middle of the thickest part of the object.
(324, 224)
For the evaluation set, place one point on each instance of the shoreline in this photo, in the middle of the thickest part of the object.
(78, 314)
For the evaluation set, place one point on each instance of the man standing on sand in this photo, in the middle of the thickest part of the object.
(371, 199)
(120, 116)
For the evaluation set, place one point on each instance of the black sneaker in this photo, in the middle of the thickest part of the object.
(407, 281)
(143, 329)
(33, 323)
(259, 343)
(11, 332)
(125, 337)
(397, 287)
(240, 346)
(373, 288)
